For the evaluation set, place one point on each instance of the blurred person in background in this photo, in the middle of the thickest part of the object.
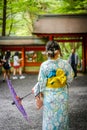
(6, 65)
(17, 66)
(73, 60)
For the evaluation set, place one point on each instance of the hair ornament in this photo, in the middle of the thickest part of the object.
(49, 52)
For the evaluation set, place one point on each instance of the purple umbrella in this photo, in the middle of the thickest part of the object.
(17, 100)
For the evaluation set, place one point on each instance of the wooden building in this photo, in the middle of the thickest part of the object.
(64, 28)
(30, 49)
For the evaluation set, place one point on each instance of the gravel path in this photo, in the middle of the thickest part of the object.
(12, 119)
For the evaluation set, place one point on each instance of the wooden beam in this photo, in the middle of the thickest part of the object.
(70, 40)
(60, 34)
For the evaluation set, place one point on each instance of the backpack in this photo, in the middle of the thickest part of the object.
(6, 65)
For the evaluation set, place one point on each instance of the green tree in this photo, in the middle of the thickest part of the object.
(21, 14)
(71, 7)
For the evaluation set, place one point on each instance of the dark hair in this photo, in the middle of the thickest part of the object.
(16, 53)
(51, 47)
(8, 54)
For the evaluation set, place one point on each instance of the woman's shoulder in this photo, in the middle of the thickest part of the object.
(63, 60)
(44, 63)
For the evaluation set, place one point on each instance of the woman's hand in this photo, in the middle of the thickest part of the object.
(39, 101)
(33, 90)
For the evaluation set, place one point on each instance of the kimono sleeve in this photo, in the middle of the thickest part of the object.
(41, 84)
(36, 89)
(42, 78)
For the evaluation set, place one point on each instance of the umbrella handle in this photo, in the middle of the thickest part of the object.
(13, 103)
(26, 95)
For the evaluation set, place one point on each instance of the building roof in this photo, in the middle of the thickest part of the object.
(61, 24)
(17, 40)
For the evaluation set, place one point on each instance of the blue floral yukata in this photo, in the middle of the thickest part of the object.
(55, 100)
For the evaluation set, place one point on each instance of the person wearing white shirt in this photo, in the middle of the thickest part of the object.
(17, 66)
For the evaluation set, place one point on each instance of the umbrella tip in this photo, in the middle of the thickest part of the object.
(13, 103)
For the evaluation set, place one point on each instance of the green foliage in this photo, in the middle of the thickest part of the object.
(40, 57)
(67, 47)
(71, 7)
(21, 14)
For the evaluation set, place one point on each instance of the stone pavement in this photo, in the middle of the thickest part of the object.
(12, 119)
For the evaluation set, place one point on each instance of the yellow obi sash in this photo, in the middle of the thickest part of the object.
(58, 80)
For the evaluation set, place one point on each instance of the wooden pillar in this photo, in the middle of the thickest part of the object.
(84, 54)
(86, 51)
(51, 37)
(23, 56)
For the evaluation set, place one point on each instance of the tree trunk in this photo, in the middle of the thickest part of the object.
(4, 18)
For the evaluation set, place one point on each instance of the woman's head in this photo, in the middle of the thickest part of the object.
(52, 48)
(16, 53)
(8, 54)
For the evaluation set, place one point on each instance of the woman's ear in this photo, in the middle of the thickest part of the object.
(58, 52)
